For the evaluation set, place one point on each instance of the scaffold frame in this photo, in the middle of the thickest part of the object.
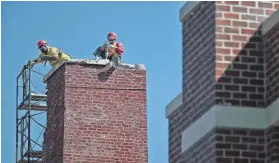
(26, 104)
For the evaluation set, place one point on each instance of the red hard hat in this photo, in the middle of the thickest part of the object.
(41, 42)
(112, 34)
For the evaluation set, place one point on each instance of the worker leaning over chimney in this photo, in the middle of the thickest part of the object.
(51, 54)
(111, 48)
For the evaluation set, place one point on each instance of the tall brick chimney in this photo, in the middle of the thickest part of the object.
(96, 114)
(228, 111)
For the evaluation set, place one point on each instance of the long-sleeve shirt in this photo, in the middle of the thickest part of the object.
(52, 52)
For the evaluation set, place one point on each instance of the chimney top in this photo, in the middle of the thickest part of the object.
(103, 63)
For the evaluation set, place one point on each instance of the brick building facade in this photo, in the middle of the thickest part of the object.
(228, 111)
(96, 114)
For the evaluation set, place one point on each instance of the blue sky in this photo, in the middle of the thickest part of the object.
(150, 32)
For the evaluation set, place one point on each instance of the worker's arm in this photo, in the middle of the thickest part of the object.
(42, 58)
(119, 48)
(102, 48)
(38, 60)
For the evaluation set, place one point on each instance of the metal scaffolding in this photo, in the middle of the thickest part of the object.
(29, 105)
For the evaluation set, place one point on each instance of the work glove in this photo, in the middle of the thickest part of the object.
(32, 63)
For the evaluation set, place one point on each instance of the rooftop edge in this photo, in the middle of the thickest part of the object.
(174, 104)
(103, 62)
(270, 22)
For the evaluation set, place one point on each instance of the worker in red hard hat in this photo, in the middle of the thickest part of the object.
(110, 49)
(51, 54)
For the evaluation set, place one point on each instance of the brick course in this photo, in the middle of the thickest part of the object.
(234, 145)
(101, 119)
(240, 145)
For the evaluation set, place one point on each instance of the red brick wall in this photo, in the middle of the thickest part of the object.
(104, 120)
(272, 63)
(55, 117)
(239, 52)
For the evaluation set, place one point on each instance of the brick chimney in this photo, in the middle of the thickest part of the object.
(228, 111)
(96, 113)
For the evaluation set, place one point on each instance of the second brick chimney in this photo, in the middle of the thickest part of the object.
(228, 111)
